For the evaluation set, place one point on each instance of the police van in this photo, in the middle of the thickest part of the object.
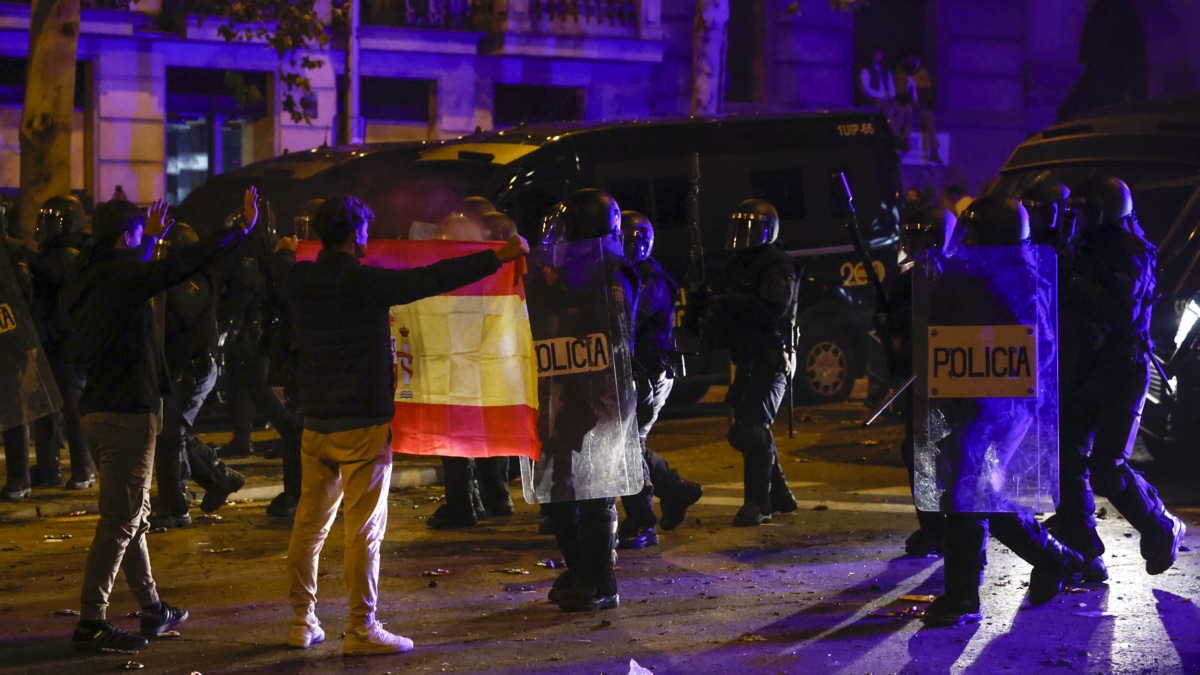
(656, 167)
(1154, 146)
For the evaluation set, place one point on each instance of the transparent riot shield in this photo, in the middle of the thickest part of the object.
(27, 389)
(985, 401)
(580, 314)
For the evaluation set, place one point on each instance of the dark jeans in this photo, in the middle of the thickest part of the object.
(661, 479)
(757, 391)
(172, 465)
(462, 474)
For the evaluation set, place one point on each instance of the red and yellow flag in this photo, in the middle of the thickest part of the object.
(466, 378)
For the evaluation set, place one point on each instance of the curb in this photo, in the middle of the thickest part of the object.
(408, 477)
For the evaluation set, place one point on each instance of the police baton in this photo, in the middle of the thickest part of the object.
(891, 400)
(791, 382)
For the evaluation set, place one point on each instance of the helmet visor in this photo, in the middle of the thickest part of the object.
(746, 234)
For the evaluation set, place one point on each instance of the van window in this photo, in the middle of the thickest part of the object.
(632, 194)
(662, 199)
(784, 188)
(532, 202)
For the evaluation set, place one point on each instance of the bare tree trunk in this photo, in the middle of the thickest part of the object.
(708, 56)
(49, 104)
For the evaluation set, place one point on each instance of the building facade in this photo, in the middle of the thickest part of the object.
(155, 113)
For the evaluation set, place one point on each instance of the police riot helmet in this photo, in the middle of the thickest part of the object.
(638, 235)
(993, 221)
(752, 224)
(586, 214)
(1101, 200)
(59, 216)
(498, 226)
(180, 235)
(457, 227)
(1045, 201)
(474, 207)
(926, 229)
(302, 224)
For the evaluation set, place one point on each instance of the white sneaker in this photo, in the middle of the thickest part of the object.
(304, 635)
(376, 640)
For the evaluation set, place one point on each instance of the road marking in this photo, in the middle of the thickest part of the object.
(739, 486)
(810, 504)
(898, 491)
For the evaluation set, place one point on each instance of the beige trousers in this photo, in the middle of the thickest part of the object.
(356, 464)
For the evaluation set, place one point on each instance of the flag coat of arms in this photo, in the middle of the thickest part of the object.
(463, 362)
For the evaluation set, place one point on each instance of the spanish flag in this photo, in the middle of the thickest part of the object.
(465, 374)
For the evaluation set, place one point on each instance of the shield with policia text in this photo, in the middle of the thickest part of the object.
(27, 389)
(985, 401)
(581, 323)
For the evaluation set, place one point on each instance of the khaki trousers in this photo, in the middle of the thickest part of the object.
(122, 446)
(356, 464)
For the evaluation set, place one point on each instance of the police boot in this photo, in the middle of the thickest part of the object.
(16, 464)
(459, 509)
(1053, 563)
(930, 537)
(637, 531)
(757, 480)
(597, 530)
(782, 499)
(492, 476)
(1085, 541)
(225, 482)
(966, 551)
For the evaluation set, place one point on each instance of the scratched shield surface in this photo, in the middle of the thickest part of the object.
(27, 388)
(985, 401)
(581, 319)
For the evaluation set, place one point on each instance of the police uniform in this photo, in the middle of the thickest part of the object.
(16, 439)
(755, 312)
(652, 344)
(1107, 310)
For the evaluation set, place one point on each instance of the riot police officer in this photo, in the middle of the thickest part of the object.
(1107, 306)
(586, 529)
(989, 425)
(754, 311)
(653, 346)
(16, 439)
(248, 312)
(190, 340)
(60, 233)
(923, 235)
(1049, 222)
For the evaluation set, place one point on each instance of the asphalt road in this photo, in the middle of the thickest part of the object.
(816, 591)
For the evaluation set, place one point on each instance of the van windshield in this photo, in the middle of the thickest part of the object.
(1160, 192)
(420, 193)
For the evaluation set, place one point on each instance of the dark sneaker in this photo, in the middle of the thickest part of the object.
(50, 479)
(1162, 551)
(102, 636)
(170, 522)
(81, 483)
(783, 501)
(749, 516)
(15, 493)
(640, 538)
(498, 508)
(237, 448)
(283, 506)
(947, 611)
(158, 620)
(923, 544)
(446, 517)
(228, 484)
(577, 604)
(675, 509)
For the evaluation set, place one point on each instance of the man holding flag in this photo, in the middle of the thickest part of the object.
(340, 310)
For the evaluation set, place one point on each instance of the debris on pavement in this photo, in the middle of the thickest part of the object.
(56, 537)
(132, 665)
(635, 669)
(511, 570)
(439, 572)
(66, 612)
(917, 598)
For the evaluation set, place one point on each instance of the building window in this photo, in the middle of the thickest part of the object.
(393, 99)
(530, 104)
(12, 81)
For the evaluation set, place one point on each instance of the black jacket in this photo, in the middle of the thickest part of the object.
(340, 313)
(112, 321)
(652, 338)
(754, 307)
